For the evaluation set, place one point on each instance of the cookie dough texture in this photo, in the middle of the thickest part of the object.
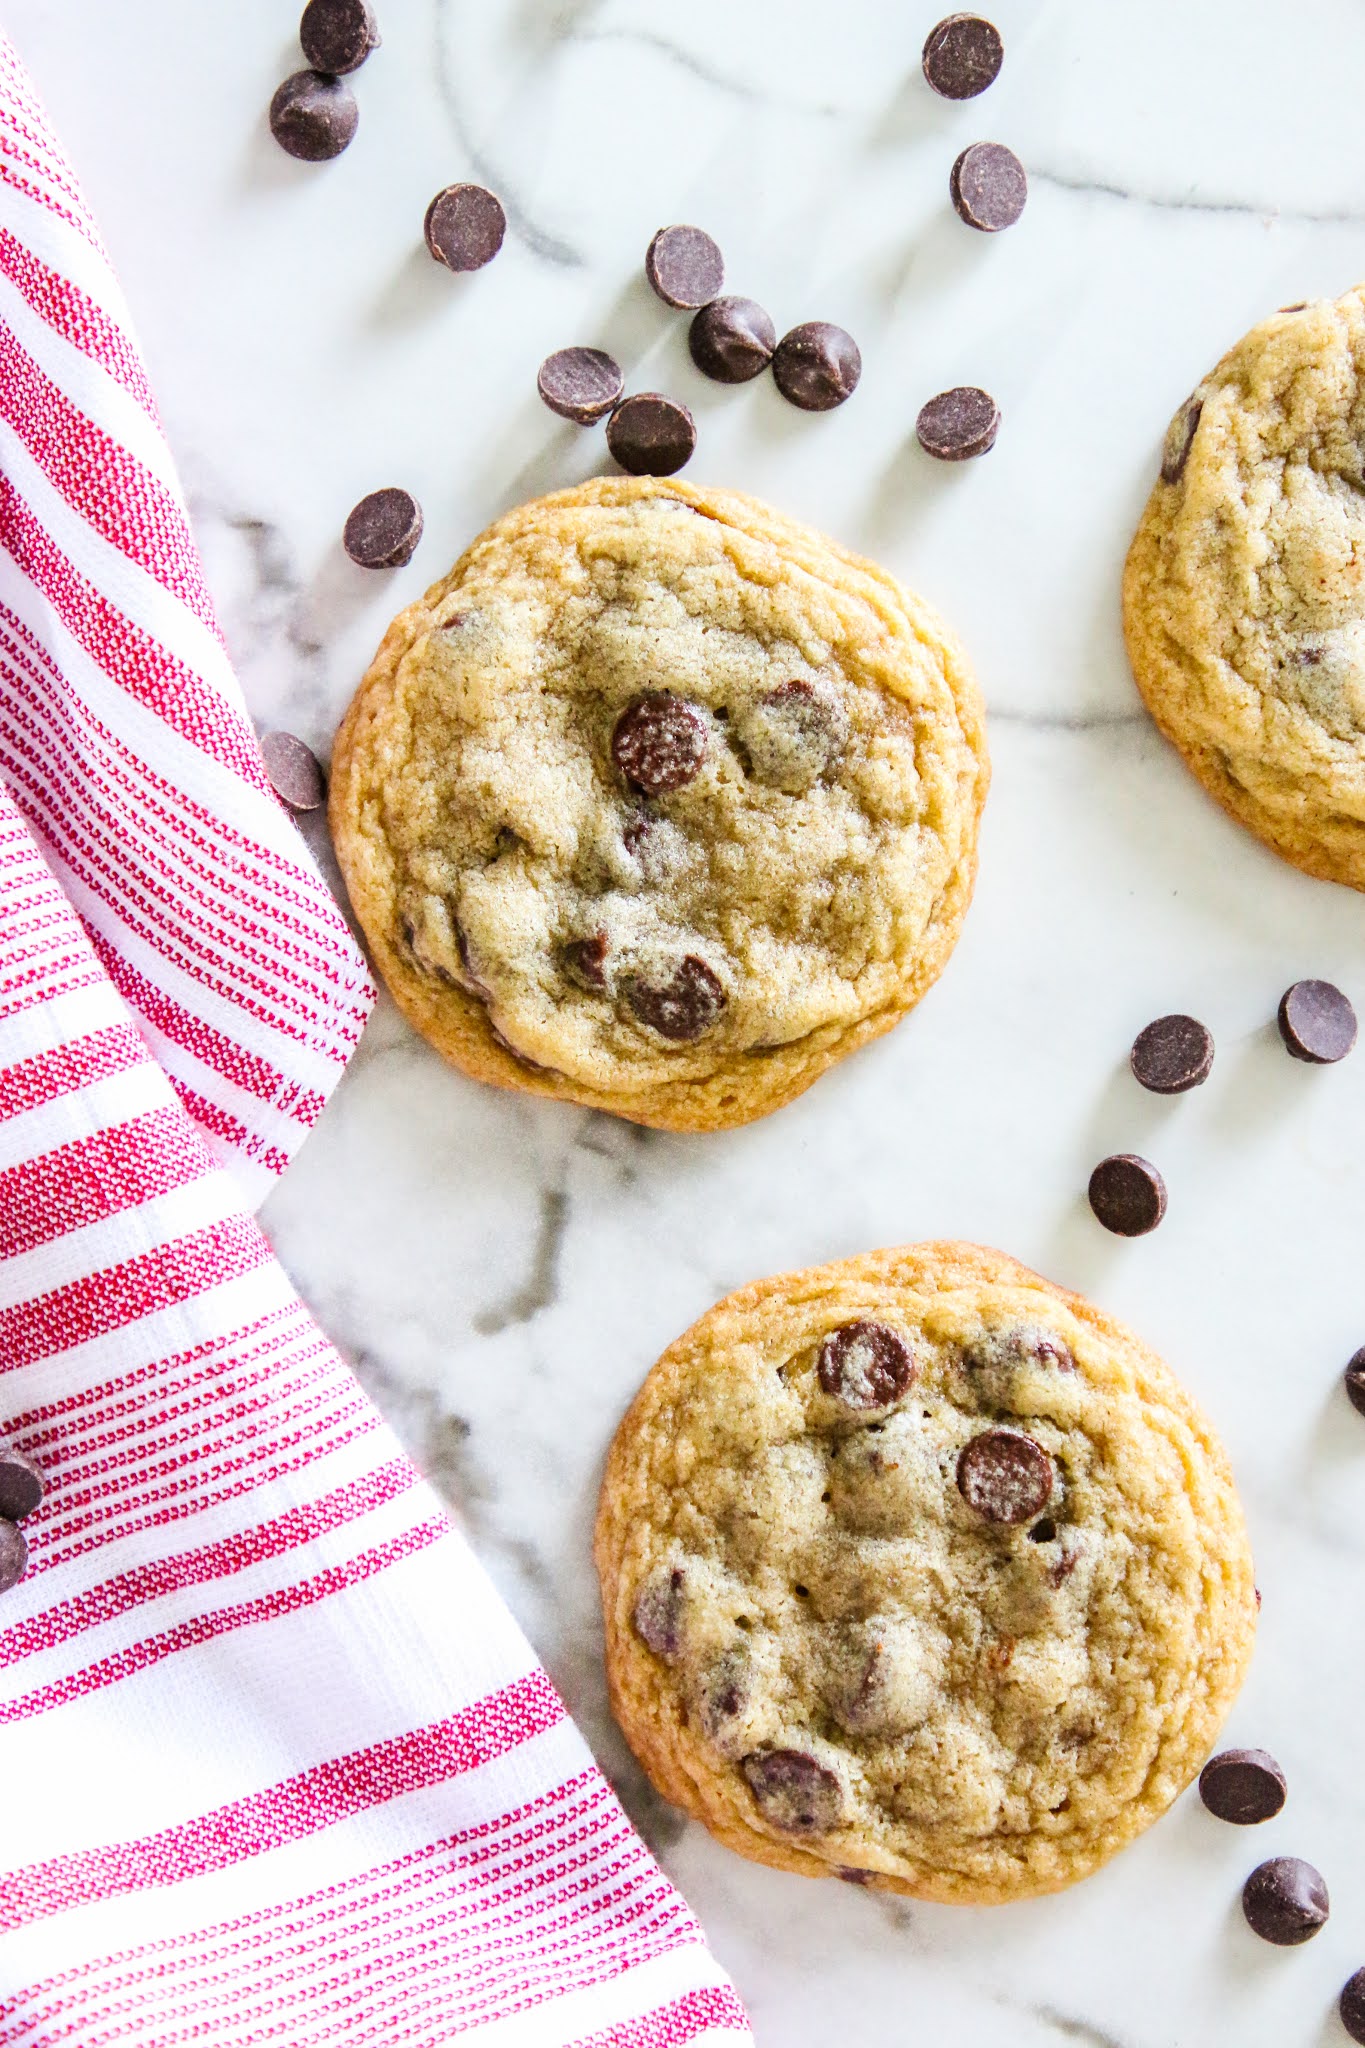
(660, 802)
(819, 1642)
(1244, 595)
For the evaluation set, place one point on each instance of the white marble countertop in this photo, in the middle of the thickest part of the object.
(502, 1271)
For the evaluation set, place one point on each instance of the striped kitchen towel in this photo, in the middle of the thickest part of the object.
(275, 1764)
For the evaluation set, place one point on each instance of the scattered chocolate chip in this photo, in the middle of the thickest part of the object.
(684, 1007)
(1317, 1023)
(13, 1555)
(314, 116)
(658, 1613)
(1172, 1054)
(338, 35)
(585, 960)
(21, 1485)
(958, 424)
(1354, 1378)
(659, 742)
(684, 267)
(651, 435)
(793, 1791)
(580, 384)
(962, 56)
(1285, 1901)
(794, 734)
(817, 366)
(464, 227)
(383, 530)
(1351, 2006)
(988, 186)
(1005, 1476)
(295, 776)
(1127, 1194)
(732, 340)
(865, 1365)
(1244, 1786)
(1179, 440)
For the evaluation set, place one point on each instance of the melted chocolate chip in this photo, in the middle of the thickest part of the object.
(338, 35)
(13, 1555)
(658, 1613)
(794, 1792)
(794, 736)
(723, 1694)
(314, 116)
(1317, 1023)
(732, 340)
(659, 742)
(817, 366)
(1244, 1786)
(585, 960)
(21, 1485)
(1285, 1901)
(1179, 440)
(962, 56)
(464, 227)
(1005, 1476)
(683, 1008)
(684, 267)
(865, 1365)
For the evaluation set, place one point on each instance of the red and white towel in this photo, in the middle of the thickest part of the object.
(275, 1764)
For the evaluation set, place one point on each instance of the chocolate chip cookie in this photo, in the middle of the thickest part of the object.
(660, 802)
(920, 1572)
(1244, 595)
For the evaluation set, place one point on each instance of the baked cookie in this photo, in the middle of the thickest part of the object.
(660, 802)
(920, 1572)
(1244, 595)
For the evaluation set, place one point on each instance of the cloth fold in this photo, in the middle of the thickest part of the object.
(278, 1765)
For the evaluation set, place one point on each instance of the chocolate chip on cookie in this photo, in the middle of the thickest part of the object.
(1127, 1194)
(1179, 440)
(585, 960)
(988, 186)
(313, 116)
(817, 366)
(1354, 1379)
(659, 742)
(383, 530)
(1172, 1054)
(650, 434)
(793, 735)
(685, 267)
(1005, 1476)
(464, 227)
(338, 35)
(723, 1694)
(732, 340)
(1351, 2006)
(684, 1007)
(658, 1613)
(962, 56)
(1011, 1348)
(21, 1485)
(958, 424)
(1317, 1023)
(580, 384)
(295, 773)
(1285, 1901)
(1244, 1786)
(794, 1792)
(865, 1365)
(13, 1555)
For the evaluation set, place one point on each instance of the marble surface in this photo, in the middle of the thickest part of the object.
(503, 1272)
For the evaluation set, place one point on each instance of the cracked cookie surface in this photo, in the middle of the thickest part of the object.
(660, 802)
(1244, 592)
(919, 1571)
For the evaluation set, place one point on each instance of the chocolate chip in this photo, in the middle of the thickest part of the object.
(1005, 1476)
(580, 383)
(817, 366)
(1179, 440)
(684, 1007)
(338, 35)
(295, 776)
(794, 735)
(988, 186)
(1317, 1023)
(383, 530)
(1172, 1054)
(723, 1693)
(21, 1485)
(658, 1613)
(793, 1791)
(659, 742)
(684, 267)
(585, 960)
(1015, 1347)
(1354, 1378)
(962, 56)
(1127, 1194)
(958, 424)
(651, 435)
(13, 1555)
(464, 227)
(1245, 1786)
(865, 1365)
(1351, 2006)
(1285, 1901)
(313, 116)
(732, 340)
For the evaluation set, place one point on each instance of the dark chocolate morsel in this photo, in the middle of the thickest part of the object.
(1172, 1054)
(650, 434)
(732, 340)
(585, 960)
(1244, 1786)
(795, 735)
(658, 1611)
(817, 366)
(684, 267)
(464, 227)
(383, 530)
(958, 424)
(1317, 1023)
(338, 35)
(723, 1692)
(295, 776)
(962, 56)
(684, 1007)
(794, 1792)
(1285, 1901)
(988, 186)
(21, 1485)
(1354, 1378)
(659, 742)
(313, 116)
(1351, 2005)
(580, 384)
(1179, 440)
(13, 1555)
(1005, 1476)
(1127, 1194)
(865, 1365)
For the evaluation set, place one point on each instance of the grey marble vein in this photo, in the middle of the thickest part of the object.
(542, 1283)
(697, 67)
(1184, 202)
(1070, 2029)
(1068, 721)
